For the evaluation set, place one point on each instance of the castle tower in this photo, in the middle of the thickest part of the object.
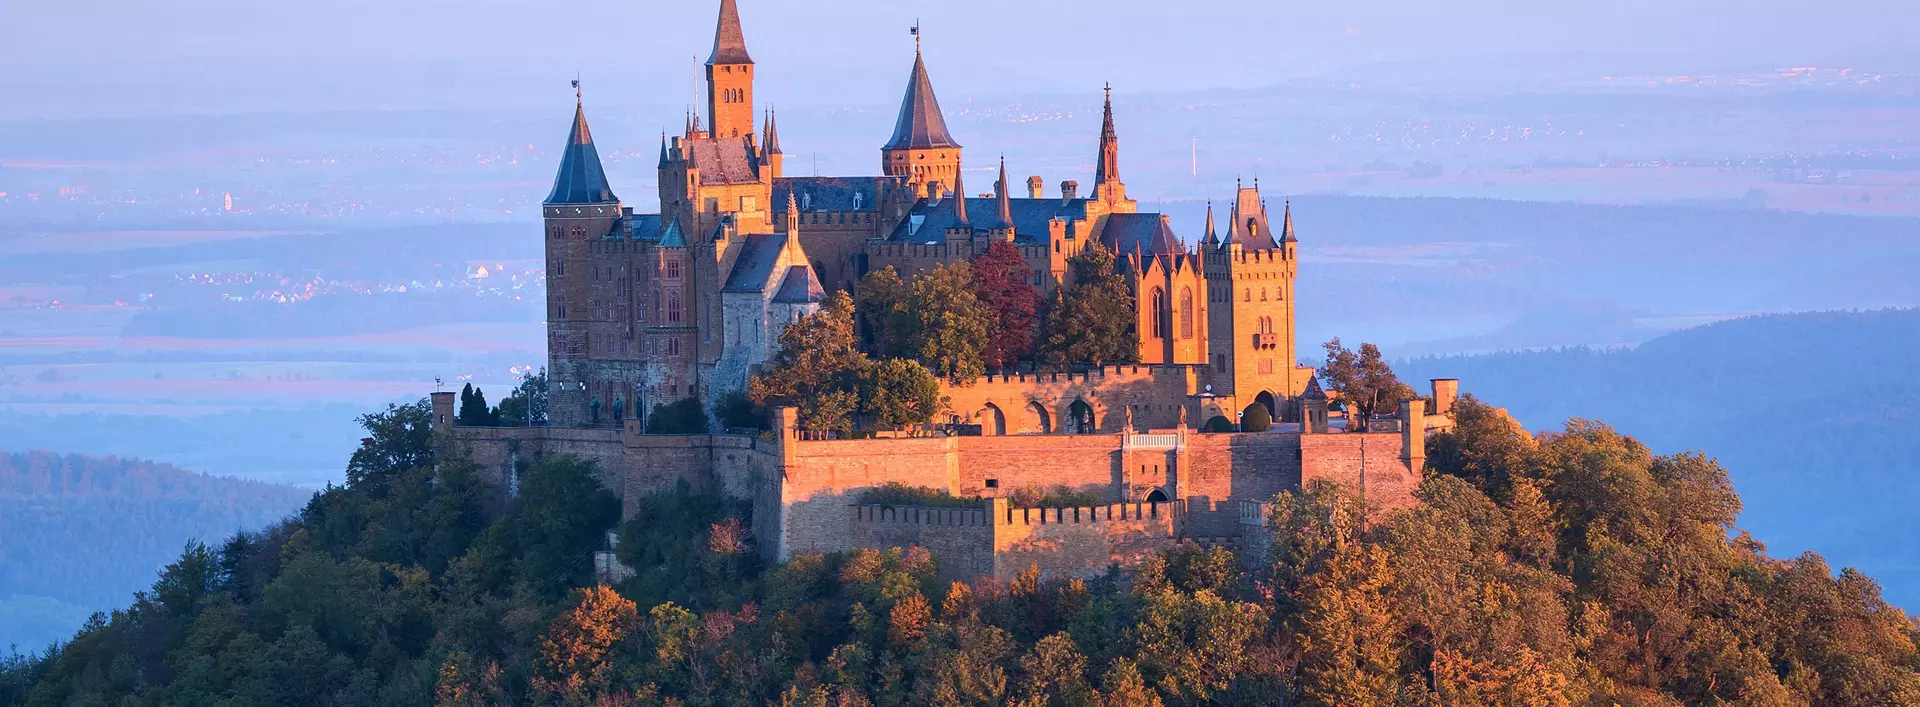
(671, 332)
(730, 77)
(581, 209)
(1251, 275)
(1106, 171)
(921, 149)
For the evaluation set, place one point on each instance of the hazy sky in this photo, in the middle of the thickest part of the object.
(510, 52)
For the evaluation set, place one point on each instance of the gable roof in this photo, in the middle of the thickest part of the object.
(723, 161)
(754, 268)
(800, 287)
(921, 125)
(581, 179)
(1149, 234)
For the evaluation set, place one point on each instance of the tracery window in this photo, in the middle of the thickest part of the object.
(1186, 313)
(1159, 314)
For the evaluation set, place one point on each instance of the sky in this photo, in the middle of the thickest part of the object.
(67, 57)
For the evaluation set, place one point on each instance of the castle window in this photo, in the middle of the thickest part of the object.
(993, 483)
(673, 269)
(673, 349)
(579, 232)
(1186, 313)
(673, 308)
(560, 268)
(1249, 294)
(1263, 294)
(1159, 314)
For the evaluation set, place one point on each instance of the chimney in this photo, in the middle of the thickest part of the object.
(1035, 185)
(1069, 190)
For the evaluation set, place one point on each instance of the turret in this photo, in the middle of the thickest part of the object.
(770, 154)
(921, 149)
(1106, 172)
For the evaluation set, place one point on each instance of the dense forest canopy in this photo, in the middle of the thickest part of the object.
(81, 533)
(1572, 568)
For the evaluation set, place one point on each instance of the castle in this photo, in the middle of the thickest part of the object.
(645, 309)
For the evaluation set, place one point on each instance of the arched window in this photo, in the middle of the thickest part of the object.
(1159, 314)
(1186, 313)
(673, 308)
(1263, 294)
(579, 232)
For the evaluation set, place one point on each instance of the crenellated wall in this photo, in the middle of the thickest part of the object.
(1080, 542)
(961, 539)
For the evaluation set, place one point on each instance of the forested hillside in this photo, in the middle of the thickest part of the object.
(1812, 414)
(80, 534)
(1576, 568)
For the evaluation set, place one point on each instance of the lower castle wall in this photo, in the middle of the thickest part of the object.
(961, 539)
(1369, 462)
(1080, 542)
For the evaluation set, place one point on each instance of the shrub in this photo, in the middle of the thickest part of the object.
(1256, 419)
(685, 417)
(1055, 497)
(736, 411)
(898, 494)
(1219, 423)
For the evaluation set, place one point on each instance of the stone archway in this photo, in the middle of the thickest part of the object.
(993, 422)
(1157, 496)
(1266, 400)
(1043, 422)
(1080, 418)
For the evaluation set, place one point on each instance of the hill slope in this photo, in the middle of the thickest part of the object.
(83, 533)
(1813, 415)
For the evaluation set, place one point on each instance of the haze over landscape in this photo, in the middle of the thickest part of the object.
(227, 229)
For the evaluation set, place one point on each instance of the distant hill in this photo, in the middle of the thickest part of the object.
(1814, 415)
(83, 533)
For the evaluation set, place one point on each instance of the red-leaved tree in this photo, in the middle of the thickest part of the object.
(1005, 285)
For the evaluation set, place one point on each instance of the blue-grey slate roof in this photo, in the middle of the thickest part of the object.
(1030, 217)
(800, 287)
(830, 193)
(581, 179)
(921, 125)
(759, 253)
(1139, 233)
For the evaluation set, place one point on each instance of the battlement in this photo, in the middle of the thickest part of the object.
(1087, 514)
(922, 515)
(1117, 372)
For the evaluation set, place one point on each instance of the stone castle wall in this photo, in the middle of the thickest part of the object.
(1080, 542)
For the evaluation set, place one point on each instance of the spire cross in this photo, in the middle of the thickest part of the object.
(576, 89)
(916, 36)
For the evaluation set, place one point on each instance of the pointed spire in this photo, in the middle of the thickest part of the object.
(1000, 196)
(582, 180)
(921, 125)
(663, 149)
(772, 146)
(1212, 238)
(1108, 167)
(1286, 231)
(672, 237)
(959, 199)
(793, 220)
(729, 43)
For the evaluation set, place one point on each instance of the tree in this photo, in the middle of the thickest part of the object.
(473, 408)
(950, 323)
(1363, 382)
(1004, 285)
(882, 304)
(575, 655)
(1218, 424)
(527, 404)
(817, 368)
(682, 417)
(398, 439)
(736, 411)
(898, 392)
(1092, 318)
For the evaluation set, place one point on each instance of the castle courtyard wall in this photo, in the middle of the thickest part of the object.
(1080, 542)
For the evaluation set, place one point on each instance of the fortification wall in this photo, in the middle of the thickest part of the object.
(823, 480)
(1087, 462)
(1369, 461)
(1080, 542)
(961, 539)
(1030, 403)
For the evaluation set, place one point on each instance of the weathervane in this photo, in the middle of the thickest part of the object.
(915, 30)
(576, 88)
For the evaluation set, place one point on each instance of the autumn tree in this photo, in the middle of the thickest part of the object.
(950, 324)
(899, 392)
(1004, 284)
(817, 368)
(575, 657)
(1091, 320)
(1362, 381)
(882, 305)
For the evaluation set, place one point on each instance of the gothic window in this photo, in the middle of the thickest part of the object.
(579, 232)
(673, 308)
(1263, 294)
(673, 269)
(1249, 297)
(560, 268)
(1159, 314)
(673, 349)
(1186, 313)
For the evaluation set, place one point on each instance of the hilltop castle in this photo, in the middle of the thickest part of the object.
(653, 308)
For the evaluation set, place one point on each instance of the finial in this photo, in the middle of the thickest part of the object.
(576, 89)
(916, 36)
(1109, 89)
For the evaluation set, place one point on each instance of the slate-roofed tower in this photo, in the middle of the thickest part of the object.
(921, 150)
(580, 210)
(730, 77)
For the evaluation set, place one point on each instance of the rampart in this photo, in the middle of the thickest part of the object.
(807, 495)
